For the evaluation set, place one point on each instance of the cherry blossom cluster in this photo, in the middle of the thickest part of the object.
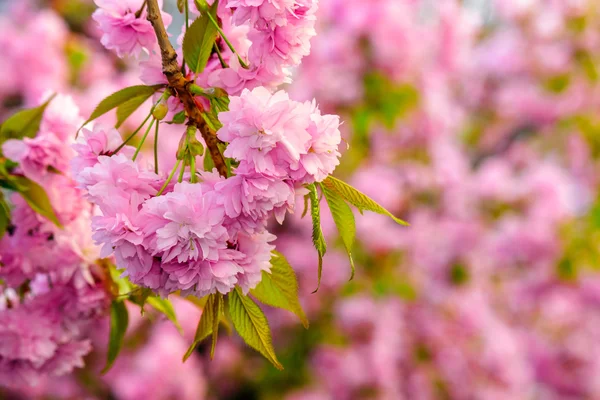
(206, 237)
(52, 291)
(270, 37)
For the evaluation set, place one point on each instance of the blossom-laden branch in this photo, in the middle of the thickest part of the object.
(180, 86)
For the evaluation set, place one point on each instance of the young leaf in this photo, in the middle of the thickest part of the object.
(165, 307)
(357, 198)
(317, 233)
(121, 97)
(344, 221)
(119, 319)
(178, 118)
(37, 198)
(251, 324)
(211, 314)
(127, 108)
(181, 5)
(198, 42)
(280, 287)
(25, 123)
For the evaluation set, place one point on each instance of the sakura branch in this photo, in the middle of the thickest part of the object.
(202, 229)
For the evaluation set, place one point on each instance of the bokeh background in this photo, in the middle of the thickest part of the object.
(476, 121)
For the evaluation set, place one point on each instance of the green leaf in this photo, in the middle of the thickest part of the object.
(208, 162)
(280, 287)
(317, 233)
(344, 221)
(218, 306)
(212, 120)
(357, 198)
(4, 215)
(122, 285)
(127, 108)
(178, 118)
(25, 123)
(121, 97)
(198, 42)
(251, 324)
(119, 319)
(209, 323)
(37, 198)
(165, 307)
(181, 5)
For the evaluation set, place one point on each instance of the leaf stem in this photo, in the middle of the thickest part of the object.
(156, 149)
(162, 189)
(132, 135)
(187, 26)
(216, 24)
(139, 147)
(182, 172)
(193, 169)
(223, 63)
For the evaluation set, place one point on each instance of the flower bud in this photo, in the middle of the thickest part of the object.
(160, 111)
(202, 5)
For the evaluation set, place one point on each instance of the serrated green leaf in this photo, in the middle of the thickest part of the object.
(122, 96)
(165, 307)
(280, 287)
(25, 123)
(220, 103)
(209, 323)
(358, 199)
(127, 108)
(119, 320)
(36, 197)
(251, 324)
(344, 221)
(198, 42)
(317, 234)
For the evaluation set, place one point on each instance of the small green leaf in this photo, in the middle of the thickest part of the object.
(280, 287)
(25, 123)
(198, 42)
(127, 108)
(209, 323)
(165, 307)
(37, 198)
(251, 324)
(121, 97)
(357, 198)
(344, 221)
(317, 233)
(119, 319)
(181, 5)
(178, 118)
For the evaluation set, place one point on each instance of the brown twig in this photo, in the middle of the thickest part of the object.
(180, 86)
